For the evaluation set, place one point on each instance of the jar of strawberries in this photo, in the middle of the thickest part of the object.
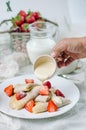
(20, 29)
(20, 32)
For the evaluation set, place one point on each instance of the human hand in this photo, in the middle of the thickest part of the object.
(68, 50)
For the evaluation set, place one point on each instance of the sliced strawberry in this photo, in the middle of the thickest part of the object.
(9, 90)
(29, 81)
(20, 95)
(44, 91)
(52, 107)
(25, 27)
(59, 93)
(47, 83)
(22, 13)
(29, 105)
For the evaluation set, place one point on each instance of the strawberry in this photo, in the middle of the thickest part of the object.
(52, 107)
(20, 95)
(9, 90)
(25, 27)
(44, 91)
(29, 81)
(47, 83)
(22, 13)
(29, 105)
(36, 15)
(18, 20)
(59, 93)
(30, 18)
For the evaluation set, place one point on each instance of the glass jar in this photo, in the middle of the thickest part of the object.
(5, 48)
(41, 41)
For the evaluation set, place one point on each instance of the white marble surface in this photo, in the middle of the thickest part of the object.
(75, 119)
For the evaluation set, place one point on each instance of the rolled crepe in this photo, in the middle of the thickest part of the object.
(19, 104)
(41, 98)
(40, 107)
(60, 101)
(24, 87)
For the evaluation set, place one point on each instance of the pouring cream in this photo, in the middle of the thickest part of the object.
(44, 67)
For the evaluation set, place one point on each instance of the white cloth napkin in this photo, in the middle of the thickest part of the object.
(11, 64)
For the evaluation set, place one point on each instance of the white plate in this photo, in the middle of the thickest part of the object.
(67, 87)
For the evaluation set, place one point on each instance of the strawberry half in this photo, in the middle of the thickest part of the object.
(59, 93)
(29, 105)
(9, 90)
(52, 107)
(47, 83)
(20, 95)
(44, 91)
(29, 81)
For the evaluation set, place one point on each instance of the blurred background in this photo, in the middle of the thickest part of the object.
(69, 14)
